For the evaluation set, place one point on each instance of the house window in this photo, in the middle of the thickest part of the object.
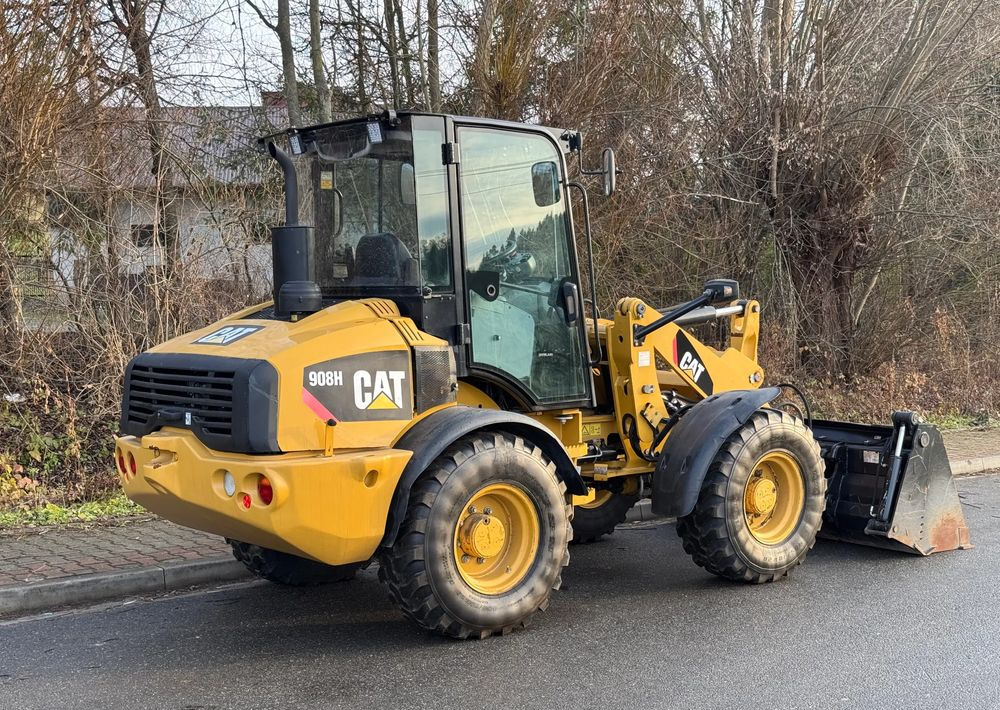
(146, 235)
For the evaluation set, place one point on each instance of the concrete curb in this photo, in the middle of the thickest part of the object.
(89, 588)
(968, 467)
(641, 512)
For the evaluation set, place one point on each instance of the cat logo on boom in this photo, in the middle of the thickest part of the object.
(691, 364)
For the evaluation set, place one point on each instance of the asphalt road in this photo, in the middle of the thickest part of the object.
(637, 626)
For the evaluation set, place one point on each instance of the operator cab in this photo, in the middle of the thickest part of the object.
(466, 225)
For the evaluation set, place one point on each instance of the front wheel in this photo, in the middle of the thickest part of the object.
(761, 503)
(483, 541)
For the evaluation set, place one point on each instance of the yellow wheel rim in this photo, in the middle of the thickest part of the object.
(600, 498)
(496, 538)
(774, 497)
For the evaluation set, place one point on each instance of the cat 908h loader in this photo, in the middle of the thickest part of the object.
(426, 390)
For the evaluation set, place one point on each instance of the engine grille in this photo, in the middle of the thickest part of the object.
(231, 404)
(205, 395)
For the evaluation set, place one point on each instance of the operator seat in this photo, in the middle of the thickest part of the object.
(383, 259)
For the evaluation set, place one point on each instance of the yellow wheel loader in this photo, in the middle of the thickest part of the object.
(426, 391)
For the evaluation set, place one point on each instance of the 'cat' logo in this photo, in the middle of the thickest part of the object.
(689, 363)
(381, 389)
(227, 334)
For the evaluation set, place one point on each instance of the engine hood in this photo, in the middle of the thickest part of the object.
(344, 376)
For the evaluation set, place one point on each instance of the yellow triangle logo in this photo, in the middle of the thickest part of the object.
(383, 402)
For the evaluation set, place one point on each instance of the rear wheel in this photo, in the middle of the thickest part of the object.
(283, 568)
(761, 504)
(593, 520)
(484, 539)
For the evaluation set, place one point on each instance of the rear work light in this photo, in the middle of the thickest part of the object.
(264, 490)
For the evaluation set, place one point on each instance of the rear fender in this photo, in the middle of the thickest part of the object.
(693, 443)
(429, 438)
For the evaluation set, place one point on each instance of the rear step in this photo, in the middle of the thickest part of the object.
(890, 486)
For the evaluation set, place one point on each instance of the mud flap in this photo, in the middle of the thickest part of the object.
(890, 486)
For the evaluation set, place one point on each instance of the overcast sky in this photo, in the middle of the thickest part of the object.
(223, 60)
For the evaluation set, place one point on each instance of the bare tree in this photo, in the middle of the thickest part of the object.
(433, 56)
(316, 57)
(133, 20)
(282, 27)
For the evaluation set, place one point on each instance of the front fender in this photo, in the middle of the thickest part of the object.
(429, 438)
(693, 443)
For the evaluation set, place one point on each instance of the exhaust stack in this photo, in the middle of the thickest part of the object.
(296, 292)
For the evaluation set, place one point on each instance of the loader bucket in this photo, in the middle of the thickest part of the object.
(890, 486)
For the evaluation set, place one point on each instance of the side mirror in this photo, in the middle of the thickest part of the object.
(407, 184)
(610, 170)
(545, 183)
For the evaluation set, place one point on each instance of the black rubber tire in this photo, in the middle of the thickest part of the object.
(715, 534)
(290, 570)
(590, 524)
(419, 570)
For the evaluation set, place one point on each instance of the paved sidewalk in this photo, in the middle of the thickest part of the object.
(35, 555)
(47, 567)
(973, 451)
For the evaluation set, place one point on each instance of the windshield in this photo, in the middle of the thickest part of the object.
(377, 197)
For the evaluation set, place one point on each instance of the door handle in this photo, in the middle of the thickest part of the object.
(571, 302)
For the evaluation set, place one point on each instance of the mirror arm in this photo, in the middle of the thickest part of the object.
(596, 359)
(583, 170)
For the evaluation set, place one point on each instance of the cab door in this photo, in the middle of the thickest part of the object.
(521, 280)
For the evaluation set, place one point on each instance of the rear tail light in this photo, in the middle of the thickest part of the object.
(131, 462)
(121, 462)
(264, 491)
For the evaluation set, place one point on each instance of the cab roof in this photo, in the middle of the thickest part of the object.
(565, 137)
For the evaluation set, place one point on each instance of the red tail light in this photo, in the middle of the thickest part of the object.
(121, 462)
(131, 462)
(264, 491)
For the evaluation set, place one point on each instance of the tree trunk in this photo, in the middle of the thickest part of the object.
(481, 60)
(10, 302)
(165, 192)
(392, 50)
(363, 102)
(316, 55)
(433, 68)
(404, 53)
(284, 31)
